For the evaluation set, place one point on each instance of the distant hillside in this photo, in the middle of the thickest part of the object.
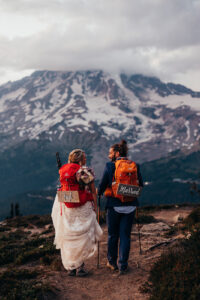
(167, 182)
(169, 179)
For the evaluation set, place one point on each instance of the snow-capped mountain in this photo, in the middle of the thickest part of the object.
(151, 115)
(50, 111)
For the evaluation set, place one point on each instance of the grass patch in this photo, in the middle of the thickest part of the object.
(145, 219)
(22, 284)
(19, 247)
(42, 221)
(29, 221)
(16, 248)
(35, 252)
(154, 208)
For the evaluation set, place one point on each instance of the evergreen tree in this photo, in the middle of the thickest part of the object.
(17, 213)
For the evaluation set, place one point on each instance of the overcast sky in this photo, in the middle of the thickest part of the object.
(152, 37)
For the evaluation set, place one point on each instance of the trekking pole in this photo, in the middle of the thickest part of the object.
(98, 219)
(138, 227)
(59, 164)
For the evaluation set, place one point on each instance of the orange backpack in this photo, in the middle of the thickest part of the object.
(125, 185)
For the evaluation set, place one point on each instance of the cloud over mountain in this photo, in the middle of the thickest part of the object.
(150, 37)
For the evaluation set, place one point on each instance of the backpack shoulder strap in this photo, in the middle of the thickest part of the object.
(117, 164)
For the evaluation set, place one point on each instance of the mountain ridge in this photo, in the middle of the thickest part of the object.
(53, 103)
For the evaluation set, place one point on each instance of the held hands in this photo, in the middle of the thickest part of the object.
(94, 195)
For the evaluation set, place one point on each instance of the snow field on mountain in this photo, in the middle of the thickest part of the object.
(174, 101)
(144, 132)
(98, 102)
(7, 98)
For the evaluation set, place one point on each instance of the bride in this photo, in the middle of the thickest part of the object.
(76, 229)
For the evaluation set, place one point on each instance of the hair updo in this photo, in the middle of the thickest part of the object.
(122, 148)
(76, 156)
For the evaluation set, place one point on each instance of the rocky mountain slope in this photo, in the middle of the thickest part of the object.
(52, 105)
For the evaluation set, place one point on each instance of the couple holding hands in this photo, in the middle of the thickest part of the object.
(77, 231)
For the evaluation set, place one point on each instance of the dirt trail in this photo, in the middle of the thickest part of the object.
(102, 283)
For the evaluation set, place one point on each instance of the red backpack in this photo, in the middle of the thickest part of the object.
(69, 183)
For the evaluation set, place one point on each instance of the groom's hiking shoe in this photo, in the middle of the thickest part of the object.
(113, 267)
(123, 271)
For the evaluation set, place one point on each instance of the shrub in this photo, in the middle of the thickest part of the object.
(171, 231)
(49, 230)
(4, 228)
(177, 274)
(22, 284)
(43, 220)
(35, 252)
(15, 249)
(193, 218)
(8, 253)
(145, 219)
